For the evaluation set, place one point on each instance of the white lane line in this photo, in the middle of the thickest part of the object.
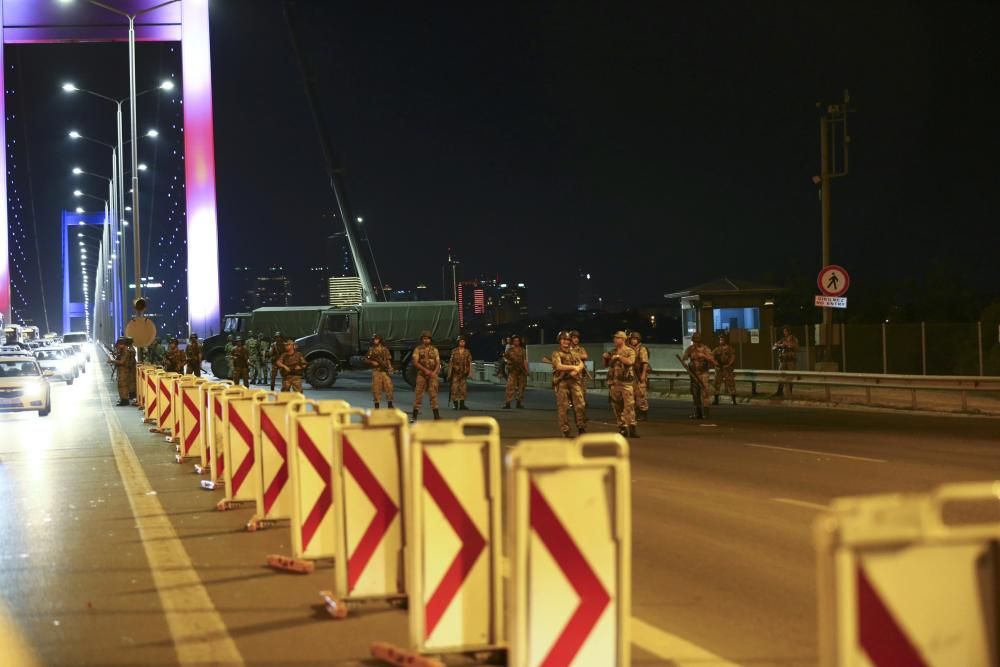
(199, 634)
(817, 453)
(672, 648)
(801, 503)
(14, 650)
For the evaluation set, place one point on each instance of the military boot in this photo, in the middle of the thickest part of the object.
(704, 413)
(632, 432)
(437, 415)
(416, 413)
(623, 431)
(520, 405)
(454, 405)
(581, 430)
(566, 434)
(734, 399)
(715, 400)
(390, 404)
(643, 415)
(506, 406)
(461, 405)
(697, 413)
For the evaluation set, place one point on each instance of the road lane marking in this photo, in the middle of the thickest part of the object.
(801, 503)
(672, 648)
(199, 634)
(817, 453)
(14, 651)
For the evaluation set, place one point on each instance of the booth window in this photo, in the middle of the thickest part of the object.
(690, 321)
(725, 319)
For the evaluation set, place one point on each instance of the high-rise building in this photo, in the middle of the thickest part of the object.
(240, 293)
(345, 291)
(512, 303)
(338, 256)
(273, 288)
(471, 303)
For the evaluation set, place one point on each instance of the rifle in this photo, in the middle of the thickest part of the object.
(694, 378)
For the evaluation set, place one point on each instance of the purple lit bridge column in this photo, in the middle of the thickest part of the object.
(49, 21)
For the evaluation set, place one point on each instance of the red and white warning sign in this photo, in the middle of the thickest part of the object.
(210, 415)
(310, 464)
(152, 395)
(239, 447)
(140, 383)
(570, 523)
(217, 460)
(369, 468)
(833, 280)
(900, 587)
(453, 524)
(272, 481)
(165, 392)
(190, 414)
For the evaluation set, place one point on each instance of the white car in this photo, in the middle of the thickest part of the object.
(23, 386)
(75, 355)
(59, 362)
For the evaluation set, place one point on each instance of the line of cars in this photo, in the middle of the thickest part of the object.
(26, 370)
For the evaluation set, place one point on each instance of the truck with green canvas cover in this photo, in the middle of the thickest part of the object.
(344, 335)
(290, 321)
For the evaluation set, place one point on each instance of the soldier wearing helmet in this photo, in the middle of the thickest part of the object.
(427, 361)
(174, 361)
(241, 363)
(193, 355)
(726, 358)
(380, 359)
(620, 363)
(459, 370)
(516, 359)
(277, 349)
(567, 379)
(641, 375)
(698, 359)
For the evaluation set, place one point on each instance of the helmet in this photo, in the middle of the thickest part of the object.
(193, 336)
(696, 337)
(128, 340)
(636, 335)
(238, 340)
(574, 334)
(277, 334)
(376, 337)
(619, 334)
(173, 341)
(425, 334)
(564, 335)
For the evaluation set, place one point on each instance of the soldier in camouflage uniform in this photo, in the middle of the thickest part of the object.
(620, 362)
(516, 358)
(120, 362)
(253, 358)
(380, 359)
(292, 365)
(459, 370)
(788, 352)
(229, 357)
(174, 361)
(427, 361)
(193, 356)
(725, 357)
(641, 375)
(132, 363)
(155, 353)
(697, 359)
(241, 364)
(277, 349)
(567, 374)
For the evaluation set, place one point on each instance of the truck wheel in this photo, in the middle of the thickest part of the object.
(410, 374)
(322, 373)
(220, 366)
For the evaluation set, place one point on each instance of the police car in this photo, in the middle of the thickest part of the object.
(23, 385)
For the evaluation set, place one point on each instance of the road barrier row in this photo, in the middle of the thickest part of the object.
(538, 567)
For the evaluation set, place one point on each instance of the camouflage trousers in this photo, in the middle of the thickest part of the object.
(254, 370)
(241, 374)
(131, 380)
(623, 403)
(788, 365)
(381, 384)
(639, 390)
(570, 393)
(725, 376)
(194, 369)
(123, 393)
(428, 384)
(459, 387)
(699, 390)
(274, 374)
(516, 382)
(291, 383)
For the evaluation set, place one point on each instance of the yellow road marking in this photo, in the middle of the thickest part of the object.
(199, 634)
(672, 648)
(14, 651)
(817, 453)
(801, 503)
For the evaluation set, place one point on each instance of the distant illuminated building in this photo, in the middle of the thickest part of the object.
(421, 293)
(345, 292)
(512, 302)
(273, 289)
(471, 302)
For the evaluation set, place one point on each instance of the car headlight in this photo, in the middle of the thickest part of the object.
(34, 389)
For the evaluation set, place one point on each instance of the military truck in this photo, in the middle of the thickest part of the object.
(291, 322)
(343, 336)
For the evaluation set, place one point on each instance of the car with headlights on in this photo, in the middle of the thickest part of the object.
(24, 385)
(59, 361)
(75, 354)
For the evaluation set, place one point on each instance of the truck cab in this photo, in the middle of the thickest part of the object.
(213, 348)
(330, 348)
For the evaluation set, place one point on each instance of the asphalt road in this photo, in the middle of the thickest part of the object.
(100, 531)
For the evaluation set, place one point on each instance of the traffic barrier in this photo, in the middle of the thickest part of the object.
(911, 580)
(453, 536)
(239, 449)
(218, 428)
(165, 394)
(151, 406)
(569, 522)
(273, 489)
(313, 426)
(206, 403)
(400, 657)
(190, 415)
(370, 460)
(140, 384)
(177, 408)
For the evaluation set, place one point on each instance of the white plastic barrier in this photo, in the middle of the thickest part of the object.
(911, 580)
(190, 418)
(211, 414)
(165, 396)
(241, 460)
(151, 405)
(569, 531)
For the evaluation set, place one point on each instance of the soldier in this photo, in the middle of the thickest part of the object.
(697, 358)
(193, 355)
(277, 349)
(620, 363)
(459, 370)
(253, 358)
(788, 350)
(380, 359)
(641, 375)
(567, 374)
(229, 356)
(120, 362)
(130, 352)
(427, 360)
(241, 363)
(725, 356)
(155, 353)
(516, 359)
(292, 365)
(174, 360)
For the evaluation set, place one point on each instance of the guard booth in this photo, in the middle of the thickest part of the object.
(742, 309)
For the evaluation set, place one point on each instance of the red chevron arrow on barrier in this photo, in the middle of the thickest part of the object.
(473, 544)
(325, 499)
(594, 598)
(878, 632)
(281, 477)
(220, 453)
(385, 512)
(240, 474)
(196, 429)
(166, 411)
(151, 385)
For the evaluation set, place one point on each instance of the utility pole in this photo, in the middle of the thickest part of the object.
(833, 163)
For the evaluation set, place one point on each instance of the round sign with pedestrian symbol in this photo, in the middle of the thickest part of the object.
(833, 280)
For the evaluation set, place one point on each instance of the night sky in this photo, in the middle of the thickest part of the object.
(656, 145)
